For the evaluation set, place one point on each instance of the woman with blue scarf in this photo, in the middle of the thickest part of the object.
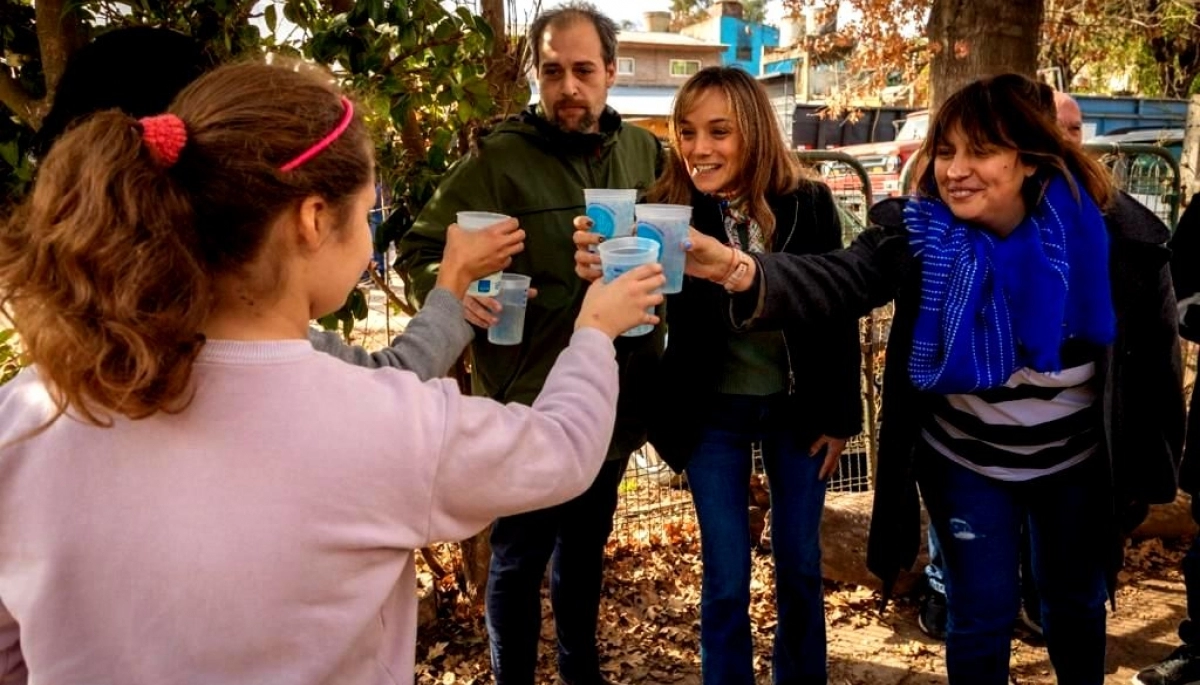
(1032, 371)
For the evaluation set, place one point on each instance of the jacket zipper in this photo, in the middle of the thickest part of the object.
(787, 349)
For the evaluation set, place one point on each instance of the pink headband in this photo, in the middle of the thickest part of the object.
(325, 142)
(164, 136)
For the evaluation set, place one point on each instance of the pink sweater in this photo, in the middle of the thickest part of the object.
(265, 534)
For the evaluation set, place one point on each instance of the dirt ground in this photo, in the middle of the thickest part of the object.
(650, 622)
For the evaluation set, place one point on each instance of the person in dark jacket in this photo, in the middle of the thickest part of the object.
(721, 390)
(1182, 666)
(1032, 376)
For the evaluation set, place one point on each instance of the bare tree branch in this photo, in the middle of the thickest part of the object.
(26, 107)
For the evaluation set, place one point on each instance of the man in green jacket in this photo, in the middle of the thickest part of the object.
(534, 167)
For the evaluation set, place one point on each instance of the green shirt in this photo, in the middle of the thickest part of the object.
(755, 364)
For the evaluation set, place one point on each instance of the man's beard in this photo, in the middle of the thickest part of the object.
(583, 124)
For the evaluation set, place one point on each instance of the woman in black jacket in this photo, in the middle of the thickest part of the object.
(795, 390)
(1032, 370)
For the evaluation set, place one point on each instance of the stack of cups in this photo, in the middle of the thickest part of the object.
(624, 254)
(488, 286)
(514, 295)
(667, 226)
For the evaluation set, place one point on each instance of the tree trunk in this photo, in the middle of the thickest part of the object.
(477, 550)
(506, 64)
(1189, 163)
(974, 38)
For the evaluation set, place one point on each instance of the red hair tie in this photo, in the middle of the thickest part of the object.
(164, 136)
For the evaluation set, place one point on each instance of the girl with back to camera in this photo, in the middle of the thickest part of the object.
(1032, 372)
(795, 391)
(112, 72)
(188, 491)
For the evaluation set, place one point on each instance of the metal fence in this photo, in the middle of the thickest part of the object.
(1149, 173)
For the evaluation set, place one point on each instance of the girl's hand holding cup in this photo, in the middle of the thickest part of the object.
(471, 255)
(620, 305)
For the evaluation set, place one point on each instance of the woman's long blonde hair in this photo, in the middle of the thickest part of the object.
(767, 166)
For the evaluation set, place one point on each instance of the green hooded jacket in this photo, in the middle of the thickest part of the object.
(529, 169)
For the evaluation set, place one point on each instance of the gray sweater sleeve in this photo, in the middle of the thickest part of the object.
(430, 344)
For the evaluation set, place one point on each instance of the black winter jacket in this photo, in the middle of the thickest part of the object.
(823, 358)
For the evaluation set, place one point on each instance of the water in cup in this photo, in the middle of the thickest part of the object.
(513, 297)
(666, 225)
(623, 254)
(488, 286)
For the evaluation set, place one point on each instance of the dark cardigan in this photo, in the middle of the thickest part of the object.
(1185, 272)
(1141, 373)
(824, 360)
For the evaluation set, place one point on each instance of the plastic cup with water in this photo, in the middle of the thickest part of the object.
(666, 225)
(611, 212)
(513, 297)
(488, 286)
(623, 254)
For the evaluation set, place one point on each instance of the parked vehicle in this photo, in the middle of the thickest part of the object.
(882, 161)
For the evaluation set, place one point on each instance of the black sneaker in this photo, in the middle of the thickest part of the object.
(1182, 667)
(931, 617)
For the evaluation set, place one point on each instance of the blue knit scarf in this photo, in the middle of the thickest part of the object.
(992, 305)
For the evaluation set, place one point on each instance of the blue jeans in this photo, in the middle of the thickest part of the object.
(573, 534)
(978, 521)
(719, 476)
(1029, 595)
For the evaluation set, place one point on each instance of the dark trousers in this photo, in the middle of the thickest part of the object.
(572, 535)
(1189, 630)
(978, 522)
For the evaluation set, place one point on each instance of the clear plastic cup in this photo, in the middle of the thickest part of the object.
(513, 297)
(611, 211)
(488, 286)
(666, 225)
(623, 254)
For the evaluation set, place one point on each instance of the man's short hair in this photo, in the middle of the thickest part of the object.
(569, 13)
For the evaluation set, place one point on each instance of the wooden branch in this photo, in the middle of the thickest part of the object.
(16, 98)
(391, 295)
(432, 562)
(59, 34)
